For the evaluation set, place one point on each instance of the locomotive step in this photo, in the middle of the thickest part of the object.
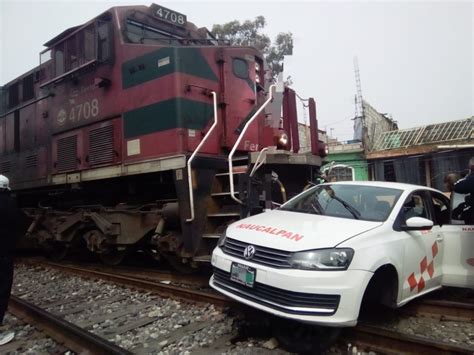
(227, 193)
(224, 214)
(202, 259)
(234, 173)
(211, 236)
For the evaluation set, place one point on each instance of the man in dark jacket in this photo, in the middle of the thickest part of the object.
(9, 230)
(466, 186)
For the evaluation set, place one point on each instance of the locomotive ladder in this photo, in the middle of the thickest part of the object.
(234, 148)
(225, 206)
(191, 158)
(231, 154)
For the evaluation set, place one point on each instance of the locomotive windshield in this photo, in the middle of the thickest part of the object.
(143, 33)
(137, 32)
(161, 26)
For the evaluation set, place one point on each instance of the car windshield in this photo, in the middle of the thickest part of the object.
(369, 203)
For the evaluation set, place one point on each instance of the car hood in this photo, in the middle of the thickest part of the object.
(294, 231)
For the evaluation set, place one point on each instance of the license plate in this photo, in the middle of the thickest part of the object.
(243, 274)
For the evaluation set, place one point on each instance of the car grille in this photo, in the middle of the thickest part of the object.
(263, 255)
(279, 299)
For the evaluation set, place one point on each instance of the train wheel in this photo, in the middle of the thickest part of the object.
(113, 257)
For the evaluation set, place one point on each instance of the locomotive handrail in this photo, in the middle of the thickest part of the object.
(234, 148)
(259, 163)
(190, 160)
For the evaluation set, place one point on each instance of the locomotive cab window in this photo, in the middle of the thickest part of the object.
(77, 49)
(28, 87)
(240, 68)
(13, 95)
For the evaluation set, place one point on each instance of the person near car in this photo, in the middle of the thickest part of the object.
(449, 182)
(466, 186)
(9, 230)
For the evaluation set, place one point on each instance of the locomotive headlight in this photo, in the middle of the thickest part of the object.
(257, 78)
(322, 259)
(283, 140)
(323, 149)
(257, 67)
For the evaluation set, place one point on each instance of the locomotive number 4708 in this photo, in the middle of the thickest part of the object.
(82, 111)
(170, 16)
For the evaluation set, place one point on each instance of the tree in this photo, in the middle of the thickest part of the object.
(249, 33)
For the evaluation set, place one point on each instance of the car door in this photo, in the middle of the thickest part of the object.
(423, 249)
(458, 257)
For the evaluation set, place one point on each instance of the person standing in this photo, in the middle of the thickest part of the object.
(466, 185)
(449, 182)
(9, 230)
(465, 210)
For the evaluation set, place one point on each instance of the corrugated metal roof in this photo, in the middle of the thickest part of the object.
(430, 134)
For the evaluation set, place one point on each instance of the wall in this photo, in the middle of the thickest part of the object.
(352, 155)
(374, 124)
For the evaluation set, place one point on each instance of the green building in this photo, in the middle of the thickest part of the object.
(346, 162)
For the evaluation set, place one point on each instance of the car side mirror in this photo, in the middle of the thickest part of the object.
(417, 224)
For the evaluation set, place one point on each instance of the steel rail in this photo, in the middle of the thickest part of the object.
(142, 273)
(184, 294)
(393, 342)
(68, 334)
(446, 310)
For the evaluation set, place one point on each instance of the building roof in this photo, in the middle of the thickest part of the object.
(460, 130)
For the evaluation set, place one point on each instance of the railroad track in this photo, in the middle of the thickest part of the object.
(162, 289)
(138, 321)
(388, 341)
(63, 332)
(368, 337)
(441, 309)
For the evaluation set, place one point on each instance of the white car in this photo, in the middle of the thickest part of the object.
(318, 256)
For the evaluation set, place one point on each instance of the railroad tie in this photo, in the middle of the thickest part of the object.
(110, 316)
(21, 343)
(108, 333)
(172, 337)
(82, 305)
(219, 346)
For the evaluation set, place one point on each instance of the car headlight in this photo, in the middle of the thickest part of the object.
(322, 259)
(221, 241)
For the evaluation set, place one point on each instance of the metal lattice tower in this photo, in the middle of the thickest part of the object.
(359, 109)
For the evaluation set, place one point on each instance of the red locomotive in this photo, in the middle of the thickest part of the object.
(139, 129)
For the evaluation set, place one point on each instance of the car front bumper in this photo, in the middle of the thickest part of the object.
(330, 298)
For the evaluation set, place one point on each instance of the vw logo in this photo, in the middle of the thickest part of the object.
(249, 252)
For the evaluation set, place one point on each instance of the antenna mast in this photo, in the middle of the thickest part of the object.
(359, 107)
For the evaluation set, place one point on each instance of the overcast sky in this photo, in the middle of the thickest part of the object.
(416, 59)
